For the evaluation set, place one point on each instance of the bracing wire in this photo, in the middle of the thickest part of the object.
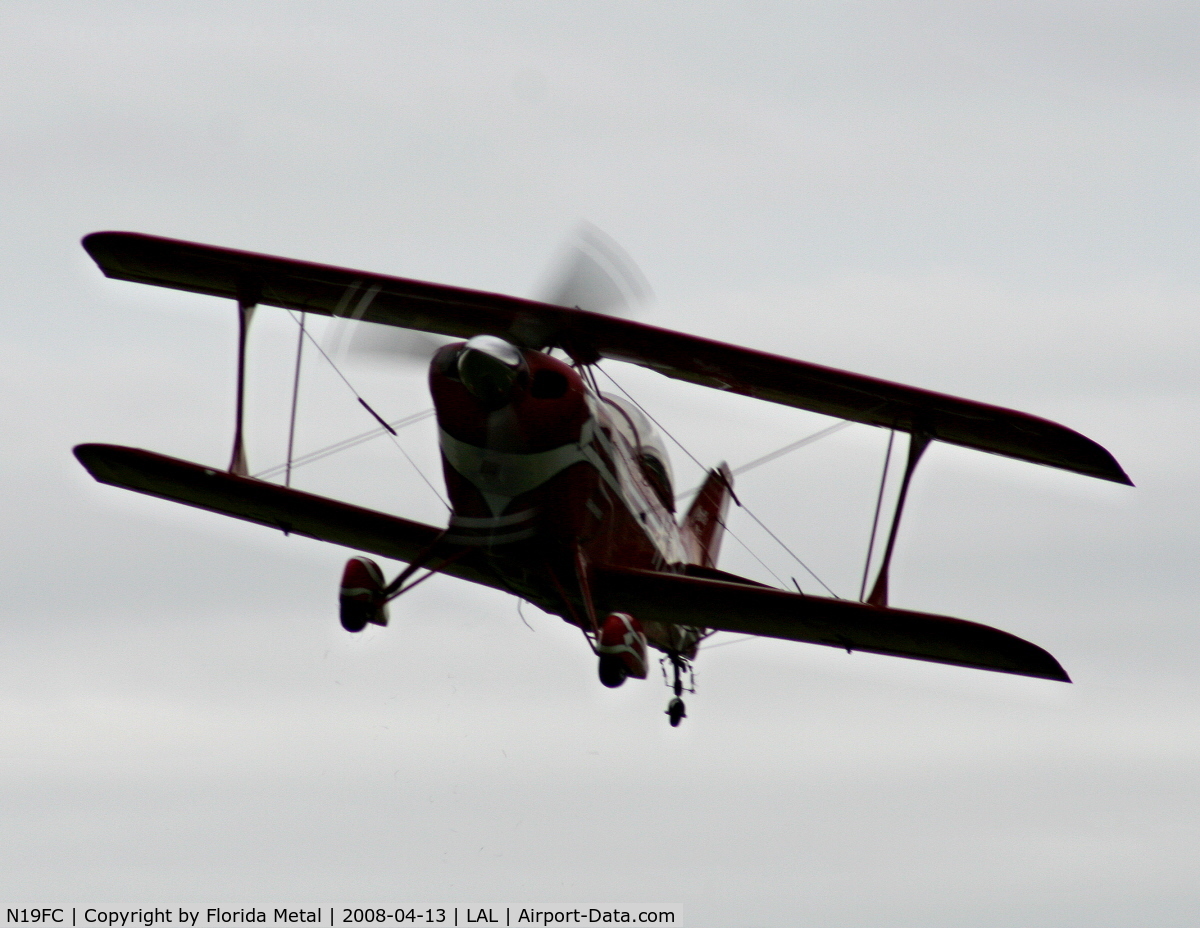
(644, 412)
(778, 453)
(887, 460)
(740, 504)
(391, 434)
(781, 544)
(750, 551)
(344, 445)
(287, 480)
(788, 449)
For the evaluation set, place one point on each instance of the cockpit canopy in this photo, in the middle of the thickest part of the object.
(651, 451)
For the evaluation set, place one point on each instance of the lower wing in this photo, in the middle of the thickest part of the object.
(712, 600)
(290, 511)
(679, 599)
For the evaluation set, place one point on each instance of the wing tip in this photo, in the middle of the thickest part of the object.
(1115, 474)
(1057, 674)
(85, 452)
(92, 239)
(97, 459)
(99, 246)
(1111, 470)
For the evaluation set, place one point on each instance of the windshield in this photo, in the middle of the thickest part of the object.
(652, 452)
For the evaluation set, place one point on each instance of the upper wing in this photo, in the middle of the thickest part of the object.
(588, 336)
(272, 505)
(757, 610)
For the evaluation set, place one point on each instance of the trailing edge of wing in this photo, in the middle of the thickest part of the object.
(756, 610)
(588, 336)
(269, 504)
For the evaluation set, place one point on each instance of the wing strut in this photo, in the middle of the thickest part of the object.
(247, 299)
(918, 441)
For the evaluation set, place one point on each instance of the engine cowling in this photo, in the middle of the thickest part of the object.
(362, 599)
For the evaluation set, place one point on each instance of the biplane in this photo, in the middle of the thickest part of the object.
(562, 494)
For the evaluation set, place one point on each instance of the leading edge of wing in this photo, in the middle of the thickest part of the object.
(317, 288)
(755, 610)
(288, 510)
(459, 312)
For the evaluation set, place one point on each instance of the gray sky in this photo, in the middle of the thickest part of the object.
(995, 200)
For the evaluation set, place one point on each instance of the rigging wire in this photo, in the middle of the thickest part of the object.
(680, 444)
(287, 480)
(344, 445)
(786, 449)
(357, 396)
(779, 540)
(887, 460)
(740, 504)
(750, 551)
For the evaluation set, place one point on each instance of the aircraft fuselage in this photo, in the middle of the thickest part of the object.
(548, 476)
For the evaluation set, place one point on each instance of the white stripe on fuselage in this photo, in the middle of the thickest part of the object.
(501, 476)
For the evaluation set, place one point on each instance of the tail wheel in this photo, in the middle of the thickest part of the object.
(676, 712)
(612, 670)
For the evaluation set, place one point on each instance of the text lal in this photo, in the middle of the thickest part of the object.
(481, 917)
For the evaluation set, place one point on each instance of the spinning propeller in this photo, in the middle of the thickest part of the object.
(591, 272)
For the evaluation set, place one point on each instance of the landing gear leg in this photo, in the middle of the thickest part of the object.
(676, 711)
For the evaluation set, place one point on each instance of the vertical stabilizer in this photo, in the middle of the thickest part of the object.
(704, 524)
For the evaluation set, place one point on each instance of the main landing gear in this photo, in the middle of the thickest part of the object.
(676, 711)
(365, 593)
(621, 646)
(363, 596)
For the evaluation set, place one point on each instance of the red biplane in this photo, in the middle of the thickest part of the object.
(562, 495)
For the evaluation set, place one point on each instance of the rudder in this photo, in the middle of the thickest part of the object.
(704, 524)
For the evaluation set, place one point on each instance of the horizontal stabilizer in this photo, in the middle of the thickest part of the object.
(269, 504)
(677, 599)
(461, 313)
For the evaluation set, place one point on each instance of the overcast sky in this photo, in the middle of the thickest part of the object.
(996, 200)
